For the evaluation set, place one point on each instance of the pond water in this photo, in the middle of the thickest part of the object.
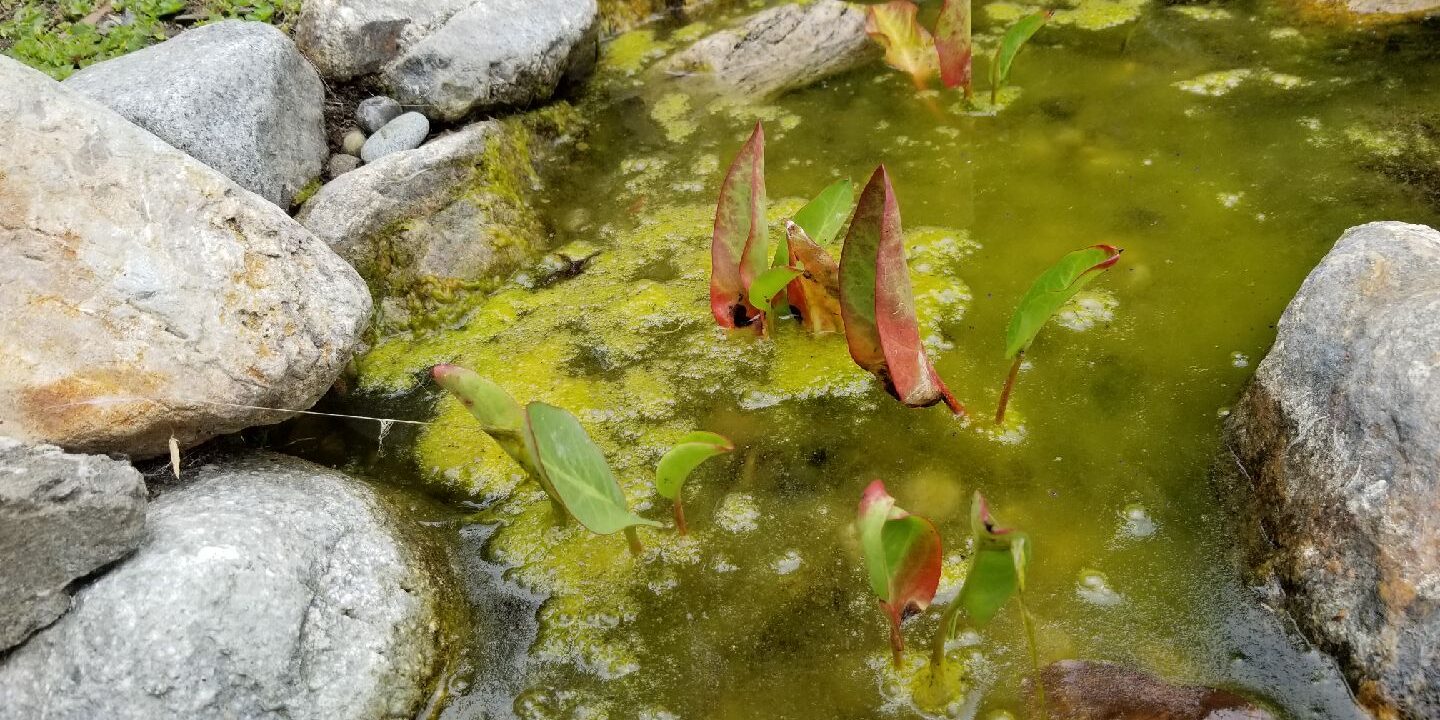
(1222, 148)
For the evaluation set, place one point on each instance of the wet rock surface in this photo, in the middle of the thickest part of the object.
(266, 587)
(62, 517)
(1091, 690)
(145, 293)
(237, 96)
(1335, 451)
(451, 58)
(780, 49)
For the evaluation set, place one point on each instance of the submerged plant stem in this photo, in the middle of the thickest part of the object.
(634, 539)
(1009, 386)
(897, 640)
(1029, 624)
(942, 636)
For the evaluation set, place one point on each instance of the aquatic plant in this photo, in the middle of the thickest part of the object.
(1010, 43)
(1049, 292)
(816, 293)
(878, 306)
(997, 573)
(902, 559)
(738, 246)
(910, 48)
(677, 464)
(954, 45)
(552, 447)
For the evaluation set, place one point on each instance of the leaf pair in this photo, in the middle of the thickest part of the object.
(815, 293)
(552, 447)
(878, 306)
(910, 48)
(1055, 287)
(738, 247)
(677, 464)
(902, 555)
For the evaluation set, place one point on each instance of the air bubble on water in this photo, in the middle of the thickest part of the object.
(1222, 413)
(1137, 522)
(1094, 588)
(1239, 359)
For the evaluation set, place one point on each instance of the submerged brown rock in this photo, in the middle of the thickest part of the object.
(1091, 690)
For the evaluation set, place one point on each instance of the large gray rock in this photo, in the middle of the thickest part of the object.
(237, 96)
(266, 588)
(62, 517)
(144, 292)
(1394, 7)
(450, 58)
(1336, 451)
(780, 49)
(450, 212)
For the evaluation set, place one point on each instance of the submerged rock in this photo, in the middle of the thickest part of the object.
(1089, 690)
(453, 57)
(403, 133)
(62, 517)
(237, 96)
(267, 587)
(144, 293)
(780, 49)
(1335, 448)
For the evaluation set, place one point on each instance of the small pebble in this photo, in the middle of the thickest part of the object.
(403, 133)
(373, 113)
(340, 164)
(353, 142)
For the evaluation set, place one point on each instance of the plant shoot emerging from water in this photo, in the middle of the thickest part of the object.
(1045, 297)
(554, 450)
(677, 464)
(912, 49)
(738, 247)
(1010, 43)
(902, 559)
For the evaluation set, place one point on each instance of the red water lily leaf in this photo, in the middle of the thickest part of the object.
(878, 306)
(909, 47)
(816, 294)
(903, 556)
(738, 247)
(953, 44)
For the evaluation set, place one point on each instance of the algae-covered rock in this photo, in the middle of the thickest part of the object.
(620, 15)
(783, 48)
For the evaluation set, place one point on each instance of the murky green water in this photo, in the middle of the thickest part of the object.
(1223, 189)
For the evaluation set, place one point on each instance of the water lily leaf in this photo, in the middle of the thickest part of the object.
(902, 555)
(1052, 290)
(877, 304)
(572, 464)
(1010, 44)
(822, 218)
(816, 293)
(500, 416)
(681, 460)
(998, 568)
(769, 284)
(738, 248)
(953, 44)
(909, 47)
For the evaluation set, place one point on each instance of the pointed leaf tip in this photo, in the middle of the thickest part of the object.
(1052, 289)
(738, 247)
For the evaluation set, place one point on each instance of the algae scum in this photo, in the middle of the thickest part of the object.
(1222, 150)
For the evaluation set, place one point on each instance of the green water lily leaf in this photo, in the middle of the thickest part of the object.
(677, 464)
(877, 304)
(769, 284)
(500, 416)
(954, 45)
(997, 571)
(903, 555)
(822, 217)
(909, 47)
(572, 464)
(1052, 290)
(1010, 43)
(738, 247)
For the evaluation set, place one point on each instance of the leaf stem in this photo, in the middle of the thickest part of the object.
(1029, 624)
(942, 636)
(897, 640)
(1009, 386)
(680, 526)
(634, 539)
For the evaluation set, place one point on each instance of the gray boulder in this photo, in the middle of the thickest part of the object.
(1335, 452)
(1394, 7)
(453, 57)
(783, 48)
(266, 588)
(237, 96)
(62, 517)
(144, 292)
(403, 133)
(372, 113)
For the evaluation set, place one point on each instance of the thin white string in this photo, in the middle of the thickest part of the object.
(384, 422)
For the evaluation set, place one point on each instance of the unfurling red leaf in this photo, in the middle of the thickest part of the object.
(677, 464)
(817, 293)
(822, 218)
(909, 47)
(1010, 44)
(572, 464)
(997, 571)
(902, 557)
(1052, 290)
(877, 305)
(953, 44)
(738, 248)
(769, 284)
